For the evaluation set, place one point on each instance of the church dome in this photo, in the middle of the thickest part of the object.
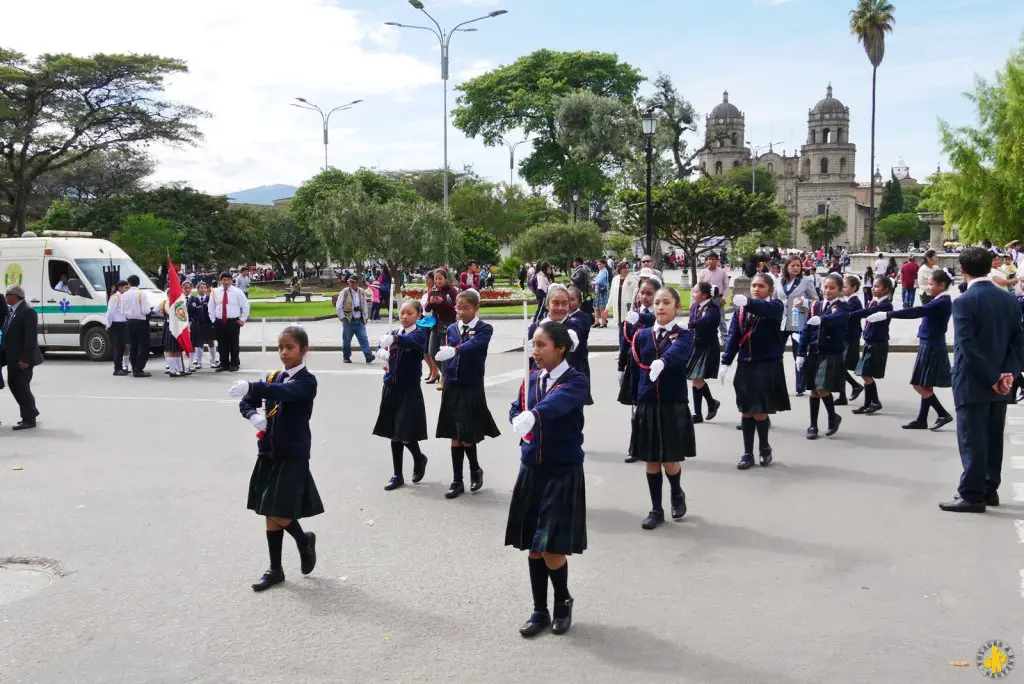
(829, 105)
(726, 110)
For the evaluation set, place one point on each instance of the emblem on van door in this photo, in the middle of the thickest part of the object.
(13, 276)
(65, 306)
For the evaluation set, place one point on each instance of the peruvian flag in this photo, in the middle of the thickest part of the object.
(177, 310)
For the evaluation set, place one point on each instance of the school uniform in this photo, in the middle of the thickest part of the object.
(579, 358)
(118, 325)
(630, 374)
(464, 415)
(876, 339)
(281, 485)
(200, 324)
(403, 416)
(548, 511)
(663, 426)
(171, 345)
(823, 347)
(754, 342)
(931, 367)
(853, 332)
(703, 323)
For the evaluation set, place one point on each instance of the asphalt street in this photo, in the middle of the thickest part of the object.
(833, 565)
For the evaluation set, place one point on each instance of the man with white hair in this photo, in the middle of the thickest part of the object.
(21, 353)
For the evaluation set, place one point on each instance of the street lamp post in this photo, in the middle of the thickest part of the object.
(444, 38)
(512, 157)
(324, 116)
(575, 203)
(754, 151)
(650, 125)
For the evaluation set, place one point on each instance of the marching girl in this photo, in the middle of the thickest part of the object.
(202, 324)
(822, 353)
(403, 417)
(876, 344)
(641, 316)
(931, 368)
(663, 427)
(795, 291)
(548, 513)
(557, 306)
(703, 323)
(197, 316)
(173, 355)
(580, 322)
(760, 381)
(851, 287)
(281, 487)
(464, 417)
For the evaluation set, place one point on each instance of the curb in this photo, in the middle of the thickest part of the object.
(893, 348)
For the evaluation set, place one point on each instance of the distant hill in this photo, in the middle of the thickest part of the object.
(265, 194)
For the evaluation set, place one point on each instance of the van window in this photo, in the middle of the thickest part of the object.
(64, 278)
(93, 269)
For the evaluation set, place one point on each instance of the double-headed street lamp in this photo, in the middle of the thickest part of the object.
(754, 151)
(444, 38)
(650, 125)
(512, 157)
(325, 116)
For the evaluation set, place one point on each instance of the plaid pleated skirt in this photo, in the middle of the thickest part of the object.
(852, 356)
(873, 359)
(464, 415)
(931, 367)
(284, 488)
(402, 416)
(663, 433)
(704, 362)
(824, 373)
(548, 511)
(761, 387)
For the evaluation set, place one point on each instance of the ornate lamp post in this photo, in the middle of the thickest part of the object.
(650, 125)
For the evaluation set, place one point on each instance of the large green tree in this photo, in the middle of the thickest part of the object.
(743, 177)
(275, 236)
(821, 232)
(560, 243)
(149, 241)
(901, 229)
(892, 198)
(499, 210)
(58, 110)
(677, 118)
(310, 195)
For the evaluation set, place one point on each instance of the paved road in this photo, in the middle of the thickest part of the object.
(834, 565)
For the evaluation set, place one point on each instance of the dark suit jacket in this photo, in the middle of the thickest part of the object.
(987, 341)
(21, 341)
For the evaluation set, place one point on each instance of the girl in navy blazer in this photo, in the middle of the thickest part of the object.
(821, 353)
(931, 368)
(464, 417)
(872, 362)
(705, 315)
(547, 516)
(851, 289)
(558, 306)
(642, 316)
(281, 487)
(663, 427)
(402, 417)
(580, 322)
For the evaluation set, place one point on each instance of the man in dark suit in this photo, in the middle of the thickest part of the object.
(21, 354)
(988, 353)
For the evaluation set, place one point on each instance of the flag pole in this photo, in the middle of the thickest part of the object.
(526, 352)
(263, 345)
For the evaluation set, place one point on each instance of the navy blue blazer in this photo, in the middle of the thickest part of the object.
(289, 406)
(626, 334)
(557, 435)
(934, 319)
(853, 331)
(874, 332)
(987, 341)
(703, 323)
(581, 322)
(1019, 299)
(755, 332)
(675, 350)
(198, 311)
(405, 358)
(829, 338)
(466, 368)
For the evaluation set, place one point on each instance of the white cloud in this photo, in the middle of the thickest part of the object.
(478, 67)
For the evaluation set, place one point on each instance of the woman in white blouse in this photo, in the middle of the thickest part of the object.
(796, 291)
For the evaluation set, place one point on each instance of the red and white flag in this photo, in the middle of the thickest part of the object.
(177, 310)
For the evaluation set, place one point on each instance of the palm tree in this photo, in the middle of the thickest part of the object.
(870, 21)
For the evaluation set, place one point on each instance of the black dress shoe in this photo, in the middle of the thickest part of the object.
(142, 374)
(916, 425)
(841, 401)
(812, 433)
(746, 461)
(872, 408)
(653, 519)
(120, 372)
(697, 419)
(679, 506)
(799, 393)
(419, 469)
(347, 360)
(538, 622)
(369, 359)
(269, 579)
(455, 489)
(862, 410)
(833, 426)
(395, 482)
(992, 498)
(940, 422)
(713, 406)
(561, 625)
(308, 556)
(25, 425)
(476, 479)
(233, 369)
(856, 392)
(766, 457)
(739, 426)
(220, 369)
(630, 459)
(959, 505)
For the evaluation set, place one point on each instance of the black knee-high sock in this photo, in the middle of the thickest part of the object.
(922, 413)
(872, 392)
(939, 408)
(706, 391)
(560, 583)
(698, 398)
(762, 434)
(654, 482)
(748, 434)
(868, 390)
(852, 380)
(414, 449)
(458, 456)
(275, 540)
(815, 408)
(396, 457)
(471, 457)
(830, 407)
(539, 584)
(842, 392)
(295, 529)
(674, 483)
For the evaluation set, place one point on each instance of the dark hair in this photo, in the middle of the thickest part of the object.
(928, 255)
(297, 333)
(575, 292)
(975, 262)
(622, 265)
(768, 280)
(414, 303)
(836, 278)
(224, 275)
(133, 280)
(673, 293)
(121, 283)
(785, 267)
(558, 333)
(941, 277)
(471, 296)
(886, 283)
(853, 281)
(707, 289)
(651, 282)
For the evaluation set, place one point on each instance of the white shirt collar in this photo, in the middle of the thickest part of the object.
(291, 373)
(978, 280)
(940, 296)
(658, 327)
(881, 299)
(557, 371)
(471, 325)
(410, 329)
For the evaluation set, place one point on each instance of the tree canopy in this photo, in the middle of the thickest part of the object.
(821, 232)
(892, 198)
(743, 177)
(560, 243)
(901, 229)
(276, 237)
(148, 240)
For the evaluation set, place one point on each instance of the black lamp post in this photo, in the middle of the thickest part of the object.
(828, 206)
(575, 203)
(650, 125)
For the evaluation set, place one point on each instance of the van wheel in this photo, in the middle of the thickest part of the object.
(98, 345)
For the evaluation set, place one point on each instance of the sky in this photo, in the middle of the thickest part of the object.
(248, 59)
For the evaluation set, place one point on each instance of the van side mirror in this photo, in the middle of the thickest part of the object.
(78, 288)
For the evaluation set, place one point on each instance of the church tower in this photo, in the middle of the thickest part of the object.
(725, 130)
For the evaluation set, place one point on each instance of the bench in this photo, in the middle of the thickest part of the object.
(294, 296)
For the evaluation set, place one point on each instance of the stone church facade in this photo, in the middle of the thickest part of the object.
(818, 179)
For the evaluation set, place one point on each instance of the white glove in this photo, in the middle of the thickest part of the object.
(632, 318)
(739, 301)
(878, 317)
(723, 373)
(523, 423)
(656, 369)
(383, 354)
(387, 340)
(575, 340)
(258, 422)
(814, 321)
(622, 374)
(239, 389)
(444, 353)
(799, 363)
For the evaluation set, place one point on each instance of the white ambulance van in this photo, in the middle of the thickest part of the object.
(75, 320)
